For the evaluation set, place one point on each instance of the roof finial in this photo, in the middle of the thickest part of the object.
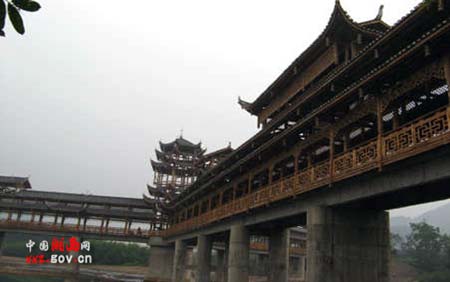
(181, 133)
(380, 13)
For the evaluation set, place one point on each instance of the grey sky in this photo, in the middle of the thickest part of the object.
(93, 86)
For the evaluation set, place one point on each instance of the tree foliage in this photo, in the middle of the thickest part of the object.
(428, 250)
(13, 9)
(424, 246)
(112, 253)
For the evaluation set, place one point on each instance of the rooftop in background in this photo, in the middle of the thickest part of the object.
(15, 182)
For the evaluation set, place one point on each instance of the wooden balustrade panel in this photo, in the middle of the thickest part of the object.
(321, 172)
(305, 179)
(275, 190)
(343, 163)
(366, 154)
(289, 185)
(399, 141)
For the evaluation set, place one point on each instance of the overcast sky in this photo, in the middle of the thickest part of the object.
(93, 86)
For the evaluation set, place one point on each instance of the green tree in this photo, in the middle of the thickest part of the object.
(13, 9)
(446, 251)
(424, 247)
(396, 242)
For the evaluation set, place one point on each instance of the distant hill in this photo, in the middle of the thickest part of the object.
(439, 217)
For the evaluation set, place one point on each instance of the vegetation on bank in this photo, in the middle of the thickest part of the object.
(103, 252)
(426, 249)
(11, 278)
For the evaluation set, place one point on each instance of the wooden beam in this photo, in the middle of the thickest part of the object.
(395, 119)
(270, 174)
(250, 180)
(345, 140)
(447, 70)
(441, 5)
(379, 131)
(331, 139)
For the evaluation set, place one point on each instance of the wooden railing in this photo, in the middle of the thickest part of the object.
(411, 139)
(76, 229)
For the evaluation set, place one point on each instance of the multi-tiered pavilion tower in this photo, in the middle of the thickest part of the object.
(179, 163)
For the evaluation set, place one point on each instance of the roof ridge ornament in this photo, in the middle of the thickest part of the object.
(244, 104)
(380, 13)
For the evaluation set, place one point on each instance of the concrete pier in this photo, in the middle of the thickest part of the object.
(347, 245)
(279, 256)
(302, 268)
(238, 260)
(204, 248)
(160, 263)
(179, 262)
(2, 238)
(222, 265)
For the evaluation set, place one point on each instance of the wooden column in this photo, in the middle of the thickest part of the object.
(441, 5)
(125, 229)
(345, 141)
(250, 178)
(220, 198)
(173, 176)
(270, 174)
(56, 219)
(129, 224)
(380, 132)
(296, 162)
(78, 223)
(209, 204)
(395, 120)
(32, 216)
(309, 159)
(9, 215)
(331, 139)
(63, 218)
(447, 71)
(84, 223)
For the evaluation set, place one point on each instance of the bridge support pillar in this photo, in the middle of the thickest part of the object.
(160, 263)
(238, 259)
(347, 245)
(2, 238)
(204, 248)
(179, 261)
(279, 256)
(222, 264)
(302, 267)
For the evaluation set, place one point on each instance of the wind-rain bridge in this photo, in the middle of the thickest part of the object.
(358, 124)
